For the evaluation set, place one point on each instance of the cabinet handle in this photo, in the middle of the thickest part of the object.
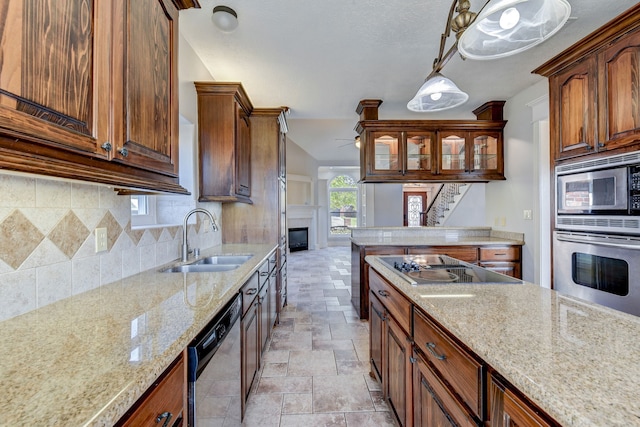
(251, 291)
(106, 146)
(506, 419)
(264, 273)
(166, 416)
(500, 254)
(383, 293)
(124, 151)
(431, 347)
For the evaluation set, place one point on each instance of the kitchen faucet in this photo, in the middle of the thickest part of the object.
(185, 246)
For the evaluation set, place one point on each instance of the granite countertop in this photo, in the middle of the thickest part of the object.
(85, 360)
(433, 236)
(578, 361)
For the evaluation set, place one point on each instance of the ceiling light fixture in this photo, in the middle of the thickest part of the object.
(502, 28)
(507, 27)
(357, 142)
(225, 18)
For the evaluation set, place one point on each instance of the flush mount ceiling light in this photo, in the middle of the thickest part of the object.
(503, 28)
(357, 142)
(225, 18)
(508, 27)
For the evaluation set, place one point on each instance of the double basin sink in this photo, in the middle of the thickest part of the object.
(211, 264)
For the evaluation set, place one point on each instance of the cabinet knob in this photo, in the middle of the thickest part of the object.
(251, 291)
(124, 151)
(264, 273)
(383, 293)
(106, 146)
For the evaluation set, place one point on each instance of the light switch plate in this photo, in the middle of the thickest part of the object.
(101, 239)
(527, 214)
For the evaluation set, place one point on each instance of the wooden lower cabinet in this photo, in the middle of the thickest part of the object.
(250, 349)
(433, 403)
(508, 409)
(397, 383)
(429, 377)
(164, 403)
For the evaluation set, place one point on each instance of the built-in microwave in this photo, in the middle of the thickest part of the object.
(600, 195)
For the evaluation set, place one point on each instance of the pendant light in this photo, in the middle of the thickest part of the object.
(436, 94)
(508, 27)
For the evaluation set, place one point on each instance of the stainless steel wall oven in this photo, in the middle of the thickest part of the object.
(596, 245)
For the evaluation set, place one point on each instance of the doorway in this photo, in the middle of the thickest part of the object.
(414, 208)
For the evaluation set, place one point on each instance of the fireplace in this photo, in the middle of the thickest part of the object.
(298, 239)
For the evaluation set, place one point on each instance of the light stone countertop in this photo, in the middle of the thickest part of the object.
(85, 360)
(433, 236)
(578, 361)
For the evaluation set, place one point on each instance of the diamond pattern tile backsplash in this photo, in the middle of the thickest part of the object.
(47, 244)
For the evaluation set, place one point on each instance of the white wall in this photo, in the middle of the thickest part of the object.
(387, 205)
(469, 211)
(507, 199)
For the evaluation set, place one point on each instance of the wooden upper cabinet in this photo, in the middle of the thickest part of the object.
(147, 133)
(88, 90)
(224, 130)
(53, 73)
(594, 91)
(432, 150)
(619, 66)
(573, 97)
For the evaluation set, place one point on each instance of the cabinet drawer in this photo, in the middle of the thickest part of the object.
(508, 409)
(395, 303)
(166, 400)
(456, 365)
(463, 253)
(250, 292)
(510, 253)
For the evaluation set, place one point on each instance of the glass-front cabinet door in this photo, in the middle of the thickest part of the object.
(419, 153)
(453, 152)
(485, 152)
(386, 152)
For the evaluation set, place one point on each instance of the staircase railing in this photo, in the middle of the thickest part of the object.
(441, 203)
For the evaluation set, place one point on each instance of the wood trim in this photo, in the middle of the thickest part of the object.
(186, 4)
(622, 24)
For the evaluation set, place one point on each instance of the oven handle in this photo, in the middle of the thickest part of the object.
(599, 241)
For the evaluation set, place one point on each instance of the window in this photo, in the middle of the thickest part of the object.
(343, 202)
(143, 210)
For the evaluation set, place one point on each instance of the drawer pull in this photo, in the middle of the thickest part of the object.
(431, 347)
(383, 293)
(251, 291)
(166, 416)
(264, 273)
(500, 254)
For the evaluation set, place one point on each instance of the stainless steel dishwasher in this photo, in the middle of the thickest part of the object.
(214, 370)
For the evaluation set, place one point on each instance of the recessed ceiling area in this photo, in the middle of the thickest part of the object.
(321, 58)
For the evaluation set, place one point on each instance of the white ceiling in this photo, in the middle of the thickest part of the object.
(321, 57)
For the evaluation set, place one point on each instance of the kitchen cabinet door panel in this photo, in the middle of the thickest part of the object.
(148, 137)
(51, 64)
(619, 109)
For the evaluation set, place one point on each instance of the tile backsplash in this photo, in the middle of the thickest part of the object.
(47, 243)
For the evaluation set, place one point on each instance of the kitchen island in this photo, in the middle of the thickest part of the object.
(496, 250)
(576, 361)
(85, 360)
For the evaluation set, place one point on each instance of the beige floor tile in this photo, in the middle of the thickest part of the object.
(310, 363)
(276, 356)
(318, 331)
(285, 385)
(349, 331)
(377, 419)
(291, 341)
(344, 393)
(263, 410)
(274, 370)
(330, 317)
(343, 355)
(378, 401)
(362, 348)
(372, 383)
(297, 403)
(313, 420)
(330, 344)
(348, 367)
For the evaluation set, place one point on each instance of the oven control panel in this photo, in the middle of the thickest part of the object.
(634, 189)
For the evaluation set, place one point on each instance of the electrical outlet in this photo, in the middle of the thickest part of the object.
(101, 239)
(527, 214)
(503, 221)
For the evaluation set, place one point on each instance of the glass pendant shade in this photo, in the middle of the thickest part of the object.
(436, 94)
(507, 27)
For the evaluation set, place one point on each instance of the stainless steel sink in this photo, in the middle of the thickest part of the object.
(201, 268)
(211, 264)
(223, 260)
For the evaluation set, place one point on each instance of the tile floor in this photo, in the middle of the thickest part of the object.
(316, 369)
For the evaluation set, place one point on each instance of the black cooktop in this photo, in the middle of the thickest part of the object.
(441, 269)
